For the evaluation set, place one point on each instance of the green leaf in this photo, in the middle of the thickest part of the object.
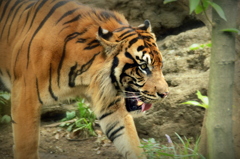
(70, 115)
(6, 119)
(218, 10)
(234, 30)
(199, 46)
(201, 7)
(62, 124)
(165, 154)
(70, 127)
(6, 96)
(193, 5)
(192, 103)
(208, 45)
(204, 99)
(198, 9)
(179, 137)
(168, 1)
(194, 47)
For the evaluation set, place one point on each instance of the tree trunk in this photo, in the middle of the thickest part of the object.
(236, 101)
(217, 132)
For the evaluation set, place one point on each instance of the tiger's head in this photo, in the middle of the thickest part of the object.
(136, 65)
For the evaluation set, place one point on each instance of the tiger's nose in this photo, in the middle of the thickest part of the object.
(163, 95)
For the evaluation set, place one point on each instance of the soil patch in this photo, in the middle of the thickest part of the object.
(55, 145)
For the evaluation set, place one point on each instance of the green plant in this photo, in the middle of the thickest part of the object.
(4, 98)
(80, 122)
(199, 46)
(200, 6)
(186, 149)
(154, 150)
(204, 99)
(4, 101)
(233, 30)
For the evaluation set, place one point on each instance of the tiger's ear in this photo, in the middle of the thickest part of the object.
(146, 26)
(110, 48)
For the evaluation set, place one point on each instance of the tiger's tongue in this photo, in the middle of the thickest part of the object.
(145, 106)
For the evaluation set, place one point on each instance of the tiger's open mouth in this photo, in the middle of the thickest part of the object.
(134, 103)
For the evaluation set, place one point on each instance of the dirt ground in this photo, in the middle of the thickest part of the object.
(55, 145)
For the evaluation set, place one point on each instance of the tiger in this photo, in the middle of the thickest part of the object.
(53, 50)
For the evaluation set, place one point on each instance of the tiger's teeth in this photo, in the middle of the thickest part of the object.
(139, 103)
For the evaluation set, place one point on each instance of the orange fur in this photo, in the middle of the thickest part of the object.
(54, 50)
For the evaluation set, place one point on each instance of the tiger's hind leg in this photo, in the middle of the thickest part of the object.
(26, 115)
(119, 127)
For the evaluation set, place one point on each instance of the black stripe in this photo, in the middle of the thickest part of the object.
(15, 63)
(26, 20)
(66, 14)
(91, 47)
(59, 4)
(36, 11)
(128, 55)
(4, 11)
(140, 48)
(63, 29)
(104, 115)
(107, 15)
(1, 72)
(81, 40)
(138, 85)
(112, 75)
(87, 65)
(154, 44)
(123, 74)
(114, 135)
(141, 60)
(110, 127)
(114, 102)
(71, 76)
(30, 5)
(93, 44)
(68, 38)
(126, 32)
(1, 4)
(74, 73)
(138, 72)
(131, 42)
(121, 29)
(73, 20)
(128, 36)
(50, 84)
(147, 37)
(9, 75)
(14, 16)
(10, 12)
(39, 98)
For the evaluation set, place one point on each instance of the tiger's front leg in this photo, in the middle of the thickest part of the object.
(119, 127)
(26, 116)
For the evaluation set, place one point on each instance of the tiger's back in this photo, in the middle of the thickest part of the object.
(51, 50)
(28, 38)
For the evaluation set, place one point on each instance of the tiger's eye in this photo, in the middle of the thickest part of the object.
(143, 66)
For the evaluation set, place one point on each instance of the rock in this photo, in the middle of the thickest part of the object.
(170, 18)
(186, 71)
